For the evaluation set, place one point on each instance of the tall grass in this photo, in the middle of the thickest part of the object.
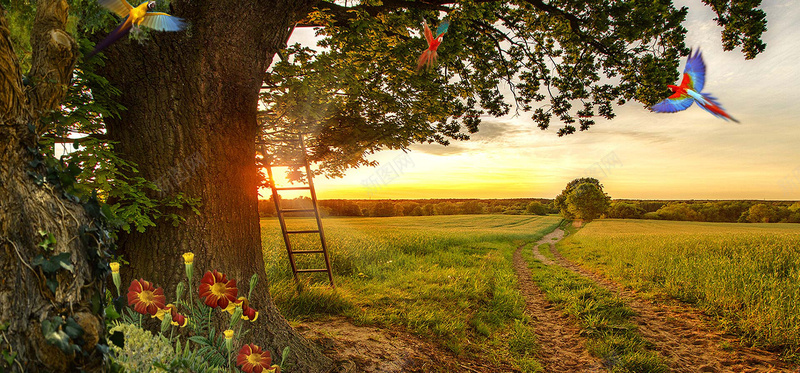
(447, 278)
(748, 275)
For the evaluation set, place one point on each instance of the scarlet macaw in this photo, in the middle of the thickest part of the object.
(135, 17)
(694, 76)
(429, 56)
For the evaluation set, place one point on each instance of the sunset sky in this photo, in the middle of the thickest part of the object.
(639, 154)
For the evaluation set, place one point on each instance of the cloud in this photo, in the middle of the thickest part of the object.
(437, 149)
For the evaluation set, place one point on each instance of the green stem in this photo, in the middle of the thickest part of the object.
(210, 310)
(191, 300)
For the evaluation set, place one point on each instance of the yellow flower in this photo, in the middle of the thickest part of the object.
(188, 261)
(188, 258)
(228, 340)
(115, 275)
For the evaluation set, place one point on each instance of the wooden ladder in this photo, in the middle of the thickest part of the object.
(315, 208)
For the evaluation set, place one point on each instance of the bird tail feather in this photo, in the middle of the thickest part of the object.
(715, 108)
(121, 30)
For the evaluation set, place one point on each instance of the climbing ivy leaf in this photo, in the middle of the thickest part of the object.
(54, 335)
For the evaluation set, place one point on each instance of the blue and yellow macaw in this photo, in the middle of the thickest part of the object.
(141, 15)
(429, 56)
(694, 77)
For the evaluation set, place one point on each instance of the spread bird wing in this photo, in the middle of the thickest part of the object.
(442, 27)
(696, 70)
(120, 7)
(672, 105)
(163, 22)
(427, 31)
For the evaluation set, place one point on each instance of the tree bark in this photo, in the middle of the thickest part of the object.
(26, 208)
(190, 125)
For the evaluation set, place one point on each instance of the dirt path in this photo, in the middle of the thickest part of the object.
(367, 349)
(684, 336)
(560, 347)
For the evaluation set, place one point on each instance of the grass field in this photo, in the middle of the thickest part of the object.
(448, 278)
(747, 275)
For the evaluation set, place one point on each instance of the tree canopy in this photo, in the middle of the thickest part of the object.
(563, 61)
(584, 199)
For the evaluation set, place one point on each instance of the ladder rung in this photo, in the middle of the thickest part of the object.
(297, 210)
(293, 188)
(308, 251)
(308, 231)
(312, 270)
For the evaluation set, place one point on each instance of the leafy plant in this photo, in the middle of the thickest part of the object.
(62, 333)
(206, 349)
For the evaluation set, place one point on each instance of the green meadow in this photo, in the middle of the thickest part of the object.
(445, 278)
(746, 275)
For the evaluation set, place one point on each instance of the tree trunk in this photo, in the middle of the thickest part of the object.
(190, 125)
(27, 208)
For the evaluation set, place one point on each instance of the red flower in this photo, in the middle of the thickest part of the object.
(217, 290)
(144, 298)
(248, 313)
(177, 319)
(252, 360)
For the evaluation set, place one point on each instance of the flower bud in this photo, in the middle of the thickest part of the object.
(115, 275)
(179, 291)
(228, 339)
(165, 322)
(253, 282)
(237, 314)
(188, 261)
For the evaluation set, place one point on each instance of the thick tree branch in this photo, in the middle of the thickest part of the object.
(12, 97)
(574, 24)
(343, 15)
(54, 55)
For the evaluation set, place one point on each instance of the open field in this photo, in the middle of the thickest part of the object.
(446, 278)
(745, 275)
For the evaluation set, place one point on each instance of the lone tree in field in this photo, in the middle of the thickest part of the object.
(583, 199)
(191, 100)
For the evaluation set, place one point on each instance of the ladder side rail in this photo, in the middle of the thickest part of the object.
(316, 211)
(276, 200)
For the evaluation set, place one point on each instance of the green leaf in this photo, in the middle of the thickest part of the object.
(51, 330)
(63, 260)
(52, 284)
(9, 357)
(48, 240)
(111, 312)
(54, 263)
(203, 341)
(72, 329)
(96, 302)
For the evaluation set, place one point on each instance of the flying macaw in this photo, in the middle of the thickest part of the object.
(429, 56)
(694, 76)
(141, 15)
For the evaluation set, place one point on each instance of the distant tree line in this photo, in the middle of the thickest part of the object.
(418, 207)
(712, 211)
(709, 211)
